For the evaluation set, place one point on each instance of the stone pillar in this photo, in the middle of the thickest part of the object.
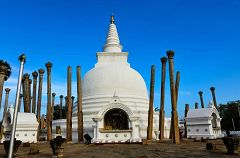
(66, 107)
(23, 91)
(176, 138)
(72, 101)
(20, 102)
(4, 70)
(196, 105)
(26, 95)
(35, 75)
(29, 93)
(79, 105)
(177, 85)
(201, 98)
(60, 108)
(214, 96)
(69, 104)
(53, 103)
(7, 90)
(162, 112)
(185, 115)
(176, 90)
(43, 124)
(49, 108)
(39, 101)
(151, 100)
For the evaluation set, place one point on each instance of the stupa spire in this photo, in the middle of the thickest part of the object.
(112, 42)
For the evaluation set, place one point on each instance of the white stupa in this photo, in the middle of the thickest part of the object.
(115, 98)
(204, 123)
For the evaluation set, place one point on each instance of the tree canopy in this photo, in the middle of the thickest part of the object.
(230, 114)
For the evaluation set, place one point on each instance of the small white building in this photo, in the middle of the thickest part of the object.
(203, 123)
(26, 129)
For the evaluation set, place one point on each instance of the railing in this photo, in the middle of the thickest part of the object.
(237, 133)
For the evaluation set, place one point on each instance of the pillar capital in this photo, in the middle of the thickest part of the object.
(212, 88)
(22, 58)
(170, 54)
(53, 94)
(200, 93)
(48, 65)
(72, 97)
(164, 60)
(7, 90)
(26, 76)
(3, 69)
(41, 71)
(35, 74)
(61, 96)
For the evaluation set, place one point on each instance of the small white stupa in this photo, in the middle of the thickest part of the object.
(203, 123)
(26, 129)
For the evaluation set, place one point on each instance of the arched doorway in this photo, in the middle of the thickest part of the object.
(214, 120)
(116, 119)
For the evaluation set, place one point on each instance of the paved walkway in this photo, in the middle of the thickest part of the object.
(153, 150)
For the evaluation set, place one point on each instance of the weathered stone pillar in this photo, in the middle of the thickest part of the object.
(35, 75)
(177, 85)
(72, 101)
(60, 108)
(43, 123)
(5, 71)
(79, 105)
(69, 104)
(176, 138)
(53, 103)
(162, 112)
(26, 95)
(7, 90)
(185, 115)
(176, 90)
(23, 90)
(196, 105)
(201, 98)
(151, 100)
(39, 101)
(214, 96)
(66, 107)
(20, 102)
(30, 97)
(49, 107)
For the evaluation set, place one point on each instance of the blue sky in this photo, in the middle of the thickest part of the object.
(204, 35)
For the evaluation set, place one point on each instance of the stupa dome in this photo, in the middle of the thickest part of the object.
(114, 78)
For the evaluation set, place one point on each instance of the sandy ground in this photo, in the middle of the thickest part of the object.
(164, 149)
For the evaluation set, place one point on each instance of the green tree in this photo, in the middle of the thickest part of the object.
(230, 114)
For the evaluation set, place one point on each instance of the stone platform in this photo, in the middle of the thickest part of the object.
(187, 148)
